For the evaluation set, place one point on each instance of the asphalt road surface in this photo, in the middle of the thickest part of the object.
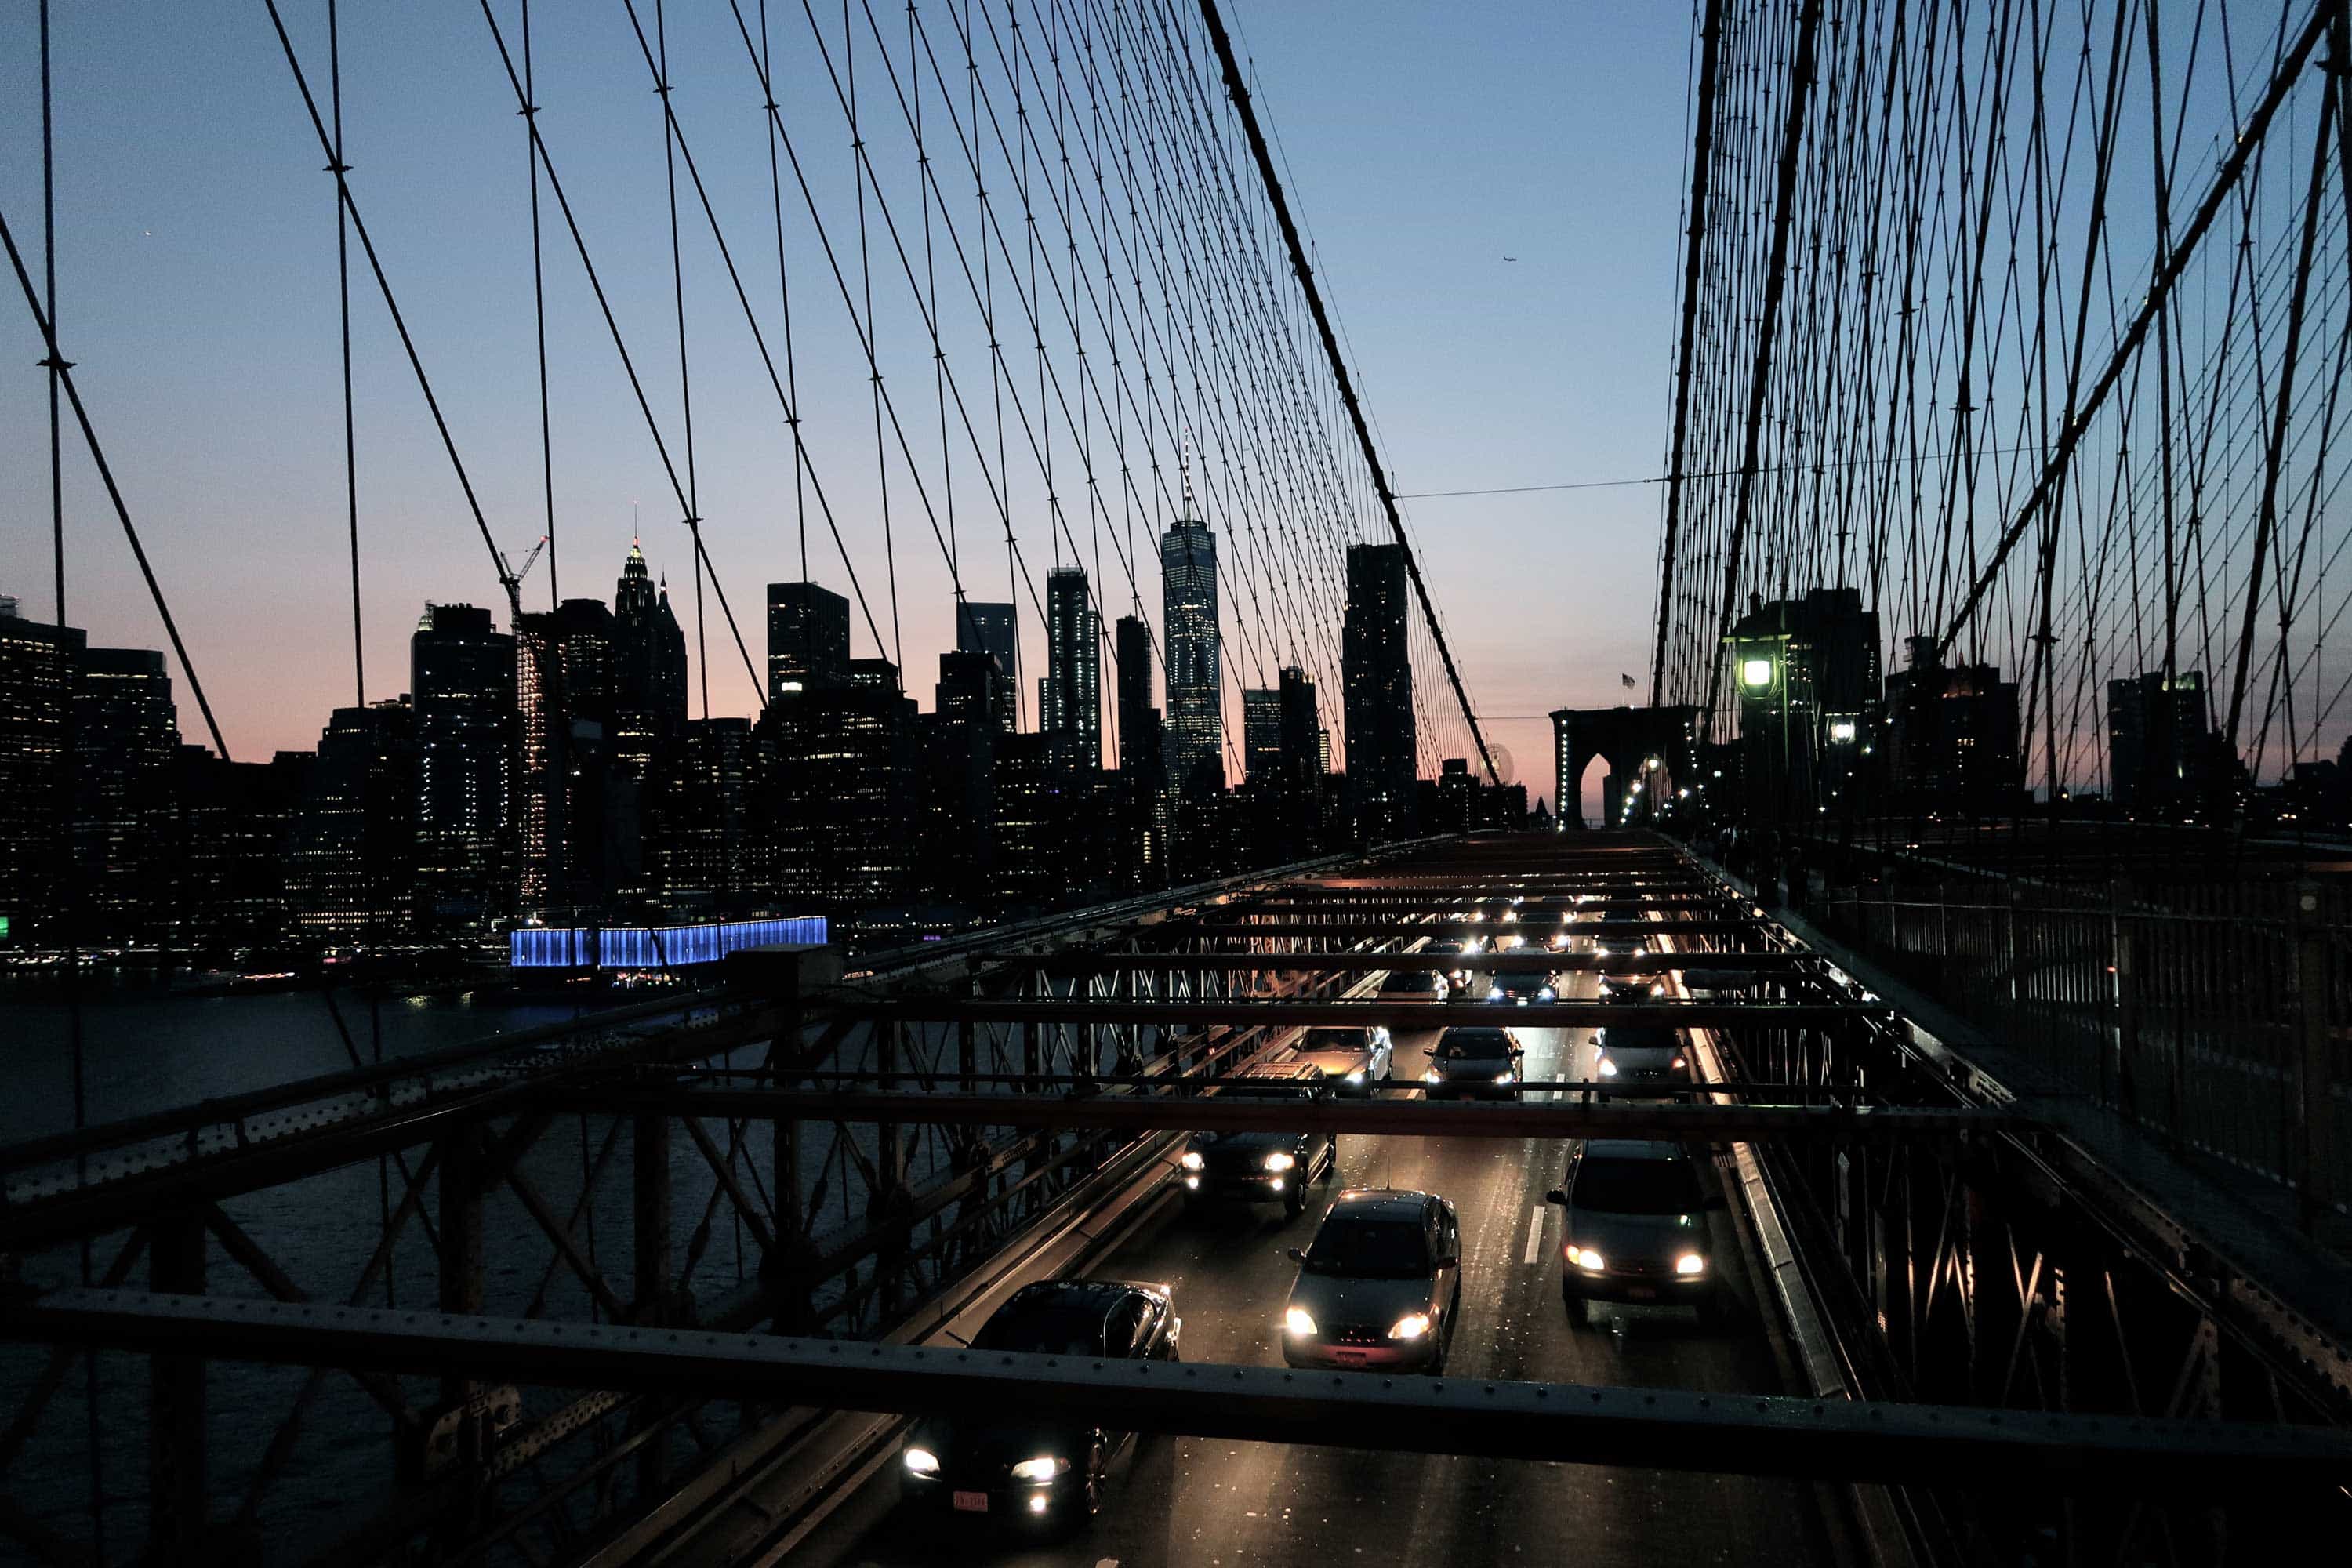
(1202, 1503)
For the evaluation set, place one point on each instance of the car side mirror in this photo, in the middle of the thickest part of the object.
(1555, 1196)
(1295, 1254)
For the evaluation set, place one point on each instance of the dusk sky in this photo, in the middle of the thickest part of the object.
(198, 297)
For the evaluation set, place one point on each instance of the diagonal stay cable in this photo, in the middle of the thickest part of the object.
(1240, 94)
(62, 369)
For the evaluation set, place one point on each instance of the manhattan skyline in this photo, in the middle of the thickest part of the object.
(241, 505)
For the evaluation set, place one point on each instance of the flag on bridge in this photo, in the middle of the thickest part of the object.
(1628, 680)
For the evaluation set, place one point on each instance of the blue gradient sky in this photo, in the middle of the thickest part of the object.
(1423, 143)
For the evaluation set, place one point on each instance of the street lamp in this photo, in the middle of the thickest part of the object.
(1756, 674)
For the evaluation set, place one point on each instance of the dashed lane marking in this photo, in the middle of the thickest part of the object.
(1534, 1235)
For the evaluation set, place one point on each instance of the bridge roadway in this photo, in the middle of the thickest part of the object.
(1193, 1503)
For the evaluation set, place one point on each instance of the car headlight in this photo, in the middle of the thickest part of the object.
(1546, 995)
(1690, 1263)
(1607, 1067)
(922, 1462)
(1280, 1162)
(1191, 1160)
(1356, 1077)
(1411, 1326)
(1679, 1062)
(1494, 993)
(1584, 1258)
(1043, 1467)
(1505, 1076)
(1296, 1320)
(1433, 1076)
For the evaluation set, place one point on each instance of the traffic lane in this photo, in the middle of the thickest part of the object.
(1226, 1502)
(1190, 1501)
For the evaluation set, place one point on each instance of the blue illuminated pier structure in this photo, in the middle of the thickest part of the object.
(652, 947)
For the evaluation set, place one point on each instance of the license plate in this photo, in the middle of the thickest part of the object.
(1349, 1358)
(1643, 1292)
(972, 1502)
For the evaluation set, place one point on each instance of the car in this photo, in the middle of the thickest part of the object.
(1633, 987)
(1379, 1287)
(1636, 1228)
(1353, 1059)
(1517, 988)
(1039, 1470)
(1261, 1167)
(1637, 1058)
(1405, 985)
(1479, 1061)
(1456, 977)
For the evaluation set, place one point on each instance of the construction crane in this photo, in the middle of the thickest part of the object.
(513, 577)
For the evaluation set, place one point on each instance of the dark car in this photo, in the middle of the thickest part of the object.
(1040, 1469)
(1517, 988)
(1480, 1062)
(1635, 1230)
(1261, 1167)
(1381, 1287)
(1405, 985)
(1642, 1058)
(1632, 988)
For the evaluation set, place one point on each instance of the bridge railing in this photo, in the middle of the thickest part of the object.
(2217, 1018)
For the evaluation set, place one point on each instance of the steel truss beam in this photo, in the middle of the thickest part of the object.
(1223, 1113)
(1068, 965)
(1672, 1428)
(1338, 926)
(1185, 1014)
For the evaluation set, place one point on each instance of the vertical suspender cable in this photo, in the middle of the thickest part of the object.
(341, 169)
(529, 113)
(685, 380)
(55, 365)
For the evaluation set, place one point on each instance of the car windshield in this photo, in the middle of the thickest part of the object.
(1522, 982)
(1409, 980)
(1369, 1249)
(1043, 1331)
(1635, 1187)
(1474, 1045)
(1333, 1040)
(1637, 1037)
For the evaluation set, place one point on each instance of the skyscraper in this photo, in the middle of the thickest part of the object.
(649, 670)
(461, 680)
(350, 842)
(1298, 727)
(1142, 759)
(37, 663)
(1261, 732)
(126, 740)
(994, 630)
(1376, 668)
(841, 796)
(563, 680)
(1070, 698)
(1139, 722)
(2163, 757)
(703, 851)
(1188, 581)
(808, 639)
